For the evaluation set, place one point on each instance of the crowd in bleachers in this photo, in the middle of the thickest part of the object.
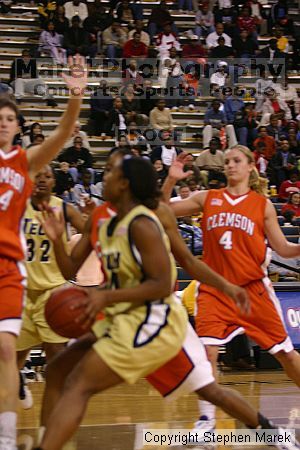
(207, 60)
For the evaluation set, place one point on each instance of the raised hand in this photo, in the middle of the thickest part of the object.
(77, 80)
(53, 225)
(176, 169)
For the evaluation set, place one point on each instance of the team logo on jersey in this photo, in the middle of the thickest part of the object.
(216, 202)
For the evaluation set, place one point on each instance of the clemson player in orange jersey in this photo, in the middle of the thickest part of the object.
(237, 221)
(17, 170)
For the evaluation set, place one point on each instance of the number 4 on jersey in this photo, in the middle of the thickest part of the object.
(226, 240)
(5, 199)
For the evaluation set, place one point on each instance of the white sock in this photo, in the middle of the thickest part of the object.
(40, 435)
(207, 409)
(8, 430)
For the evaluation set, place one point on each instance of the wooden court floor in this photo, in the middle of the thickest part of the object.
(115, 419)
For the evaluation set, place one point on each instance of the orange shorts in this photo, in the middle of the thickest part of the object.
(12, 289)
(187, 372)
(218, 319)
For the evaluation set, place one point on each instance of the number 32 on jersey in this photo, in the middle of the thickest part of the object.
(226, 240)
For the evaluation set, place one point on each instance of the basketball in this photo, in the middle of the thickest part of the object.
(60, 315)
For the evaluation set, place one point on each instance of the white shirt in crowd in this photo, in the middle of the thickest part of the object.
(212, 39)
(71, 10)
(168, 155)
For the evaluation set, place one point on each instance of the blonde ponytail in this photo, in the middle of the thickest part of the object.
(256, 183)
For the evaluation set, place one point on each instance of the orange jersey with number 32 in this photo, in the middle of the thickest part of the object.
(15, 188)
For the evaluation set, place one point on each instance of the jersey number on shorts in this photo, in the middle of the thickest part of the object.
(31, 249)
(226, 240)
(5, 199)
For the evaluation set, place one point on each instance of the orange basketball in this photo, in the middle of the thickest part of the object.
(60, 314)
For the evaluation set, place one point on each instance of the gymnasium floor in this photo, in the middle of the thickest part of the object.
(115, 419)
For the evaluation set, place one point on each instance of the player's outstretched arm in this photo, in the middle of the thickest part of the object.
(197, 269)
(276, 238)
(40, 155)
(54, 228)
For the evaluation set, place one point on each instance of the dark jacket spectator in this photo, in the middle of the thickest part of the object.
(60, 21)
(76, 39)
(77, 156)
(101, 105)
(244, 45)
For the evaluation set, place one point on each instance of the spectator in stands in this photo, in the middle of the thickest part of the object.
(160, 117)
(167, 151)
(293, 141)
(232, 105)
(76, 8)
(64, 182)
(76, 40)
(50, 43)
(184, 192)
(260, 160)
(131, 106)
(139, 27)
(282, 163)
(165, 41)
(46, 11)
(244, 46)
(24, 79)
(35, 129)
(78, 158)
(271, 52)
(191, 233)
(215, 121)
(273, 104)
(190, 165)
(205, 21)
(125, 12)
(257, 11)
(37, 140)
(269, 143)
(134, 48)
(212, 38)
(148, 99)
(193, 50)
(116, 121)
(282, 41)
(293, 204)
(86, 189)
(246, 22)
(289, 95)
(122, 143)
(132, 75)
(211, 163)
(188, 4)
(78, 133)
(101, 105)
(160, 16)
(160, 171)
(262, 84)
(220, 77)
(97, 21)
(227, 16)
(279, 15)
(222, 51)
(275, 129)
(192, 184)
(61, 23)
(289, 186)
(114, 38)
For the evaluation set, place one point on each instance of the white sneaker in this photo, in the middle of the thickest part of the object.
(288, 445)
(27, 401)
(202, 426)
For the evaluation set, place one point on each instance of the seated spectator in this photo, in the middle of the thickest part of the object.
(192, 184)
(246, 22)
(77, 157)
(273, 104)
(222, 51)
(183, 193)
(165, 41)
(160, 16)
(125, 12)
(244, 46)
(35, 129)
(269, 142)
(215, 122)
(293, 141)
(190, 165)
(148, 100)
(122, 143)
(139, 27)
(186, 5)
(101, 105)
(64, 182)
(160, 117)
(289, 186)
(37, 140)
(134, 48)
(160, 171)
(131, 105)
(205, 21)
(61, 23)
(86, 189)
(271, 52)
(76, 8)
(212, 38)
(46, 11)
(282, 163)
(232, 106)
(24, 79)
(211, 163)
(261, 86)
(220, 76)
(227, 16)
(114, 37)
(78, 133)
(293, 204)
(132, 75)
(166, 152)
(50, 43)
(289, 95)
(260, 160)
(97, 21)
(279, 15)
(282, 41)
(275, 129)
(193, 50)
(257, 11)
(116, 121)
(76, 40)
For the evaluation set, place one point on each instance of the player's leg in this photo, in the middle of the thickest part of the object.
(90, 376)
(291, 364)
(52, 349)
(25, 395)
(8, 391)
(58, 369)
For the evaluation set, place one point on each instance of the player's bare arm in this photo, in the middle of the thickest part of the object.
(197, 269)
(42, 154)
(76, 219)
(276, 238)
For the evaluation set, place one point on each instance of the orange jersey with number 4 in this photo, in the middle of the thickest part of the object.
(15, 188)
(233, 235)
